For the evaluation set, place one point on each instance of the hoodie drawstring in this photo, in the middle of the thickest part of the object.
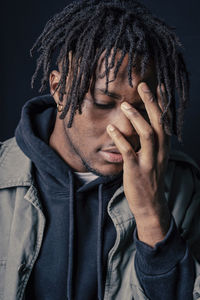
(99, 243)
(71, 238)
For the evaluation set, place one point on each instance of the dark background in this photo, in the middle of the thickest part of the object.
(22, 22)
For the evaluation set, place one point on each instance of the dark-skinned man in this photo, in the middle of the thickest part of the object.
(94, 202)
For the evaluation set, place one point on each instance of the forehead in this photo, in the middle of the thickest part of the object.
(121, 84)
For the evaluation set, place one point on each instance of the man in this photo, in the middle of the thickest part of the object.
(94, 203)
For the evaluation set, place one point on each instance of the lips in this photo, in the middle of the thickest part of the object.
(111, 155)
(112, 150)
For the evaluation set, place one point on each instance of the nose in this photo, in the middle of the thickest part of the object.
(120, 121)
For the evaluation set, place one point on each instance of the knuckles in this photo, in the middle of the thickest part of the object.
(134, 113)
(128, 152)
(148, 135)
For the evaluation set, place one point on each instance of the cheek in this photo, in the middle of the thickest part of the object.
(91, 122)
(88, 125)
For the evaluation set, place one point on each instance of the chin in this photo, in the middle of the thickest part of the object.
(112, 170)
(107, 169)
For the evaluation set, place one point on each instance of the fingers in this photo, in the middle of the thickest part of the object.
(145, 132)
(152, 107)
(122, 144)
(154, 112)
(153, 139)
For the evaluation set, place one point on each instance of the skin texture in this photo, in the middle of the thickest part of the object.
(130, 125)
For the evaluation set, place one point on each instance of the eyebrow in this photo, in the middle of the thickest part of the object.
(110, 94)
(137, 102)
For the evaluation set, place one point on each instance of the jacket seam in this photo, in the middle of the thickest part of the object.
(38, 246)
(14, 183)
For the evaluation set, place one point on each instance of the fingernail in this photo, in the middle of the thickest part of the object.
(125, 105)
(110, 128)
(145, 88)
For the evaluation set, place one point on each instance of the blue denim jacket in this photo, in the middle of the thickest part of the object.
(22, 224)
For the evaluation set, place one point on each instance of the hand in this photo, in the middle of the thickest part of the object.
(143, 171)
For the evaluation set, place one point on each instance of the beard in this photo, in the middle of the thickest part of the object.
(96, 172)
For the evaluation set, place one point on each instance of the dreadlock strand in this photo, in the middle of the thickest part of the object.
(88, 29)
(130, 58)
(119, 62)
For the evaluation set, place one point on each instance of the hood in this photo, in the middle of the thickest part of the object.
(32, 136)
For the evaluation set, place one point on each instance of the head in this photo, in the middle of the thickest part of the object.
(105, 49)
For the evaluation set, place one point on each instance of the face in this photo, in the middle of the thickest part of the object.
(86, 146)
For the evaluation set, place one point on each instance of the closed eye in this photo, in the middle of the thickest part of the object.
(104, 106)
(111, 105)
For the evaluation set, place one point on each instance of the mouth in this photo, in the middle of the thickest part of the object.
(111, 155)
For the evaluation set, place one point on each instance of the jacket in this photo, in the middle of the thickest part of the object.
(22, 224)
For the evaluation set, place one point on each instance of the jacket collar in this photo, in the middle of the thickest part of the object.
(16, 166)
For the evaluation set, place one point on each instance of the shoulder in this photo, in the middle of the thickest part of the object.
(15, 166)
(183, 174)
(179, 157)
(183, 196)
(183, 168)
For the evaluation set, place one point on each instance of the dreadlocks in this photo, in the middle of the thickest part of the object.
(88, 29)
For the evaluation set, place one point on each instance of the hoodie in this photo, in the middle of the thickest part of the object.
(67, 267)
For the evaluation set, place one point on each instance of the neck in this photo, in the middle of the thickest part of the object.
(59, 141)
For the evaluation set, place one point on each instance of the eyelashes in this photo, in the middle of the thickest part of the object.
(112, 105)
(104, 106)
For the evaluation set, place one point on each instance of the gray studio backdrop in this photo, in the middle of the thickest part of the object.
(23, 21)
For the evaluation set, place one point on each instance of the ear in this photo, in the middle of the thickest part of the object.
(54, 80)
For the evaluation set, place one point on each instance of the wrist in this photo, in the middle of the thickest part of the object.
(153, 227)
